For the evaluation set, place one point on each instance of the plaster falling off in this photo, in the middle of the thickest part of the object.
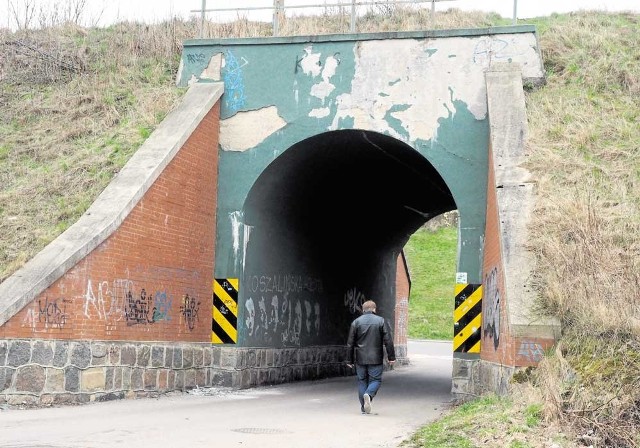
(236, 222)
(431, 81)
(246, 130)
(212, 71)
(238, 226)
(320, 112)
(324, 88)
(310, 63)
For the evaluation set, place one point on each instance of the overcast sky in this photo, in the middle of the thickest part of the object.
(105, 12)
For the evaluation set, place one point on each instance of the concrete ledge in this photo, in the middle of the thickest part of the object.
(112, 206)
(516, 197)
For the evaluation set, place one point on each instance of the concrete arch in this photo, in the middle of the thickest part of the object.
(327, 220)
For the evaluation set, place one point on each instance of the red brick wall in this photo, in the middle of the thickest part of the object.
(402, 303)
(151, 279)
(496, 345)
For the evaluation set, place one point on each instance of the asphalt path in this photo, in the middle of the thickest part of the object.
(309, 414)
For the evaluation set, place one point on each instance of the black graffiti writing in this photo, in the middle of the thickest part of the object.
(53, 312)
(491, 318)
(189, 310)
(195, 58)
(137, 311)
(298, 65)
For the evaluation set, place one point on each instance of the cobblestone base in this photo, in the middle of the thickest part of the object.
(473, 377)
(46, 372)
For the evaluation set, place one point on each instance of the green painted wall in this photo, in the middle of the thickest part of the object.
(425, 90)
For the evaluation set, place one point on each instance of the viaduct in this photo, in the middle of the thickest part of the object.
(240, 240)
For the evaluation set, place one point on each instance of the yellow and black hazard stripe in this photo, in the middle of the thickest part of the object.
(467, 318)
(224, 322)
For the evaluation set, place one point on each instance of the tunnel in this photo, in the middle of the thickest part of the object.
(324, 225)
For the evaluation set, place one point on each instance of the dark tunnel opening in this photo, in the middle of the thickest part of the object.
(327, 221)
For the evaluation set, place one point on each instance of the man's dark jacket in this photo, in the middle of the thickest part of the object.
(367, 335)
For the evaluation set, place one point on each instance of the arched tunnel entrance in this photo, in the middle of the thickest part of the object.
(324, 224)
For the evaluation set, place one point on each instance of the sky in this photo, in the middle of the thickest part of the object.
(105, 12)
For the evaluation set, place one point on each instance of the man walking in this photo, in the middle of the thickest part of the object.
(367, 335)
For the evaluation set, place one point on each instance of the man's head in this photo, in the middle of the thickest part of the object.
(369, 306)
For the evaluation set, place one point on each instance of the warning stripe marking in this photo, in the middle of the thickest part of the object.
(225, 298)
(471, 301)
(471, 330)
(467, 318)
(224, 315)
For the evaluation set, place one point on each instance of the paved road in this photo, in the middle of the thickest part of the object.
(322, 414)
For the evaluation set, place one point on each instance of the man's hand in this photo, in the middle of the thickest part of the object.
(350, 365)
(392, 362)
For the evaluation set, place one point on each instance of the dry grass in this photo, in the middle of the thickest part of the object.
(76, 104)
(585, 141)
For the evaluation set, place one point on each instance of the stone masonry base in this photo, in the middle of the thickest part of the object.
(474, 377)
(52, 372)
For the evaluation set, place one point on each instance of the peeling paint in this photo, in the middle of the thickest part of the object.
(320, 112)
(248, 129)
(434, 80)
(310, 63)
(212, 71)
(236, 223)
(324, 88)
(180, 69)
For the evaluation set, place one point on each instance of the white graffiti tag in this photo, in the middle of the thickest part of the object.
(491, 319)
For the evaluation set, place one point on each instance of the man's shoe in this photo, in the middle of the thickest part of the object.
(367, 403)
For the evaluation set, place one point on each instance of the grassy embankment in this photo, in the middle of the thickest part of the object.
(76, 103)
(585, 155)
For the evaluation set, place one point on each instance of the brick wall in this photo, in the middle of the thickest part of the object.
(403, 288)
(402, 302)
(151, 279)
(497, 345)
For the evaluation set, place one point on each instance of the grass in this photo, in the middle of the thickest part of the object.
(489, 421)
(431, 255)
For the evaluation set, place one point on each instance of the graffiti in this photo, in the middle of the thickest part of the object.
(263, 320)
(284, 283)
(402, 325)
(294, 336)
(109, 302)
(50, 313)
(532, 351)
(137, 311)
(162, 306)
(281, 319)
(307, 314)
(316, 322)
(353, 300)
(196, 58)
(233, 82)
(274, 316)
(116, 301)
(491, 320)
(189, 311)
(488, 49)
(47, 314)
(251, 316)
